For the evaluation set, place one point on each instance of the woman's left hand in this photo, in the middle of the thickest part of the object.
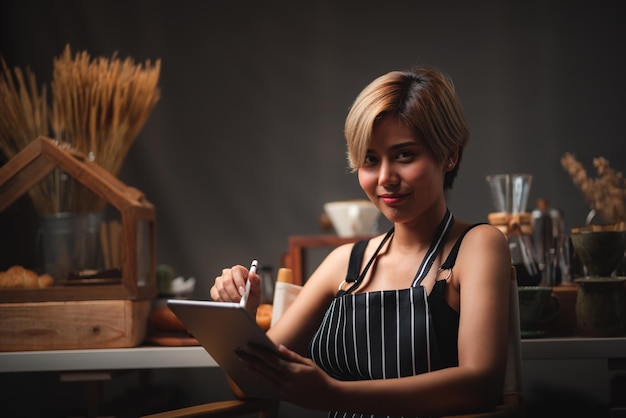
(295, 376)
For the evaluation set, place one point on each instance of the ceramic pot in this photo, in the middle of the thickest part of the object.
(600, 251)
(601, 306)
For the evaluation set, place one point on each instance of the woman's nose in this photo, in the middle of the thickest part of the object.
(387, 175)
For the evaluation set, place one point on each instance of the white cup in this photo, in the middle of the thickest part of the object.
(352, 218)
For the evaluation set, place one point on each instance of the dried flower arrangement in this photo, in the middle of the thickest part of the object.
(98, 107)
(606, 194)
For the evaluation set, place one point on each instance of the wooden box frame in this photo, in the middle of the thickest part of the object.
(32, 165)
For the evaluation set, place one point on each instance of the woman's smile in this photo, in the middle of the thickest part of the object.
(393, 199)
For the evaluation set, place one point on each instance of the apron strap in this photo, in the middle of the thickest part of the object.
(435, 248)
(449, 263)
(356, 256)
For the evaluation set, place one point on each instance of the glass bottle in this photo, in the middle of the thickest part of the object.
(509, 193)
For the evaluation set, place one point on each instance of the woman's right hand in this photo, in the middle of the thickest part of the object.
(231, 285)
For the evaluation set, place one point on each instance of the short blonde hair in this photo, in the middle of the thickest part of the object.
(425, 100)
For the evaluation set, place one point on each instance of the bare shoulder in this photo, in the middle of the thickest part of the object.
(484, 251)
(486, 234)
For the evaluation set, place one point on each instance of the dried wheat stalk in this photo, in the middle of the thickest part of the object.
(606, 193)
(24, 114)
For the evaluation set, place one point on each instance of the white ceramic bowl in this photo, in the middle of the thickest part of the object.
(352, 218)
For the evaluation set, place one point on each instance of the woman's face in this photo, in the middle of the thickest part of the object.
(400, 174)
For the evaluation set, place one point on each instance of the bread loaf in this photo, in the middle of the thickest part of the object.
(18, 277)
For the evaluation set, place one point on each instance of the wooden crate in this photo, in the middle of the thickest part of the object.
(73, 324)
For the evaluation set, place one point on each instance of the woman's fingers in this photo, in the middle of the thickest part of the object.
(230, 285)
(266, 365)
(294, 376)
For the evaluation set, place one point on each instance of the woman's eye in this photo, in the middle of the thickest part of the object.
(370, 160)
(405, 155)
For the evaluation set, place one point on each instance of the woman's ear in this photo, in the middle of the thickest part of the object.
(453, 160)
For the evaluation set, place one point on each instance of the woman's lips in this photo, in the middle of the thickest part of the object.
(392, 199)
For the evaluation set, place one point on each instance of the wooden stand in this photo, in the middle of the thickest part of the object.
(32, 165)
(295, 258)
(107, 315)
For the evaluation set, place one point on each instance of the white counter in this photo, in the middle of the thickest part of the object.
(150, 357)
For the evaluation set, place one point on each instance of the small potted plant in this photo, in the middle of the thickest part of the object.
(601, 296)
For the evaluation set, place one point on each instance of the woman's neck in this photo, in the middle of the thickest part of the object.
(421, 231)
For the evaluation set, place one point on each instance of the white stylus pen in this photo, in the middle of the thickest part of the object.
(244, 297)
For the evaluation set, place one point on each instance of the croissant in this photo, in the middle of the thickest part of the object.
(17, 277)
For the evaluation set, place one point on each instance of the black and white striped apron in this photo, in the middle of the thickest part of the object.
(387, 334)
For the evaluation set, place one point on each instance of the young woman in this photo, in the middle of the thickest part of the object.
(413, 322)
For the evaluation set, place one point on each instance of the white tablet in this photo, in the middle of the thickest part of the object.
(222, 327)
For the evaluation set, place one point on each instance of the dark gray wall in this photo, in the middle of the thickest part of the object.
(246, 143)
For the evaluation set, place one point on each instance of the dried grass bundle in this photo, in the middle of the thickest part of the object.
(606, 194)
(98, 107)
(24, 113)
